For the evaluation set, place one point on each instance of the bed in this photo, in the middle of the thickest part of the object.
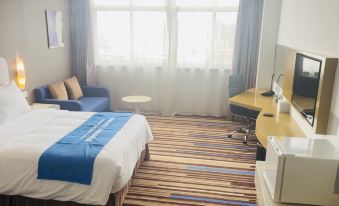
(27, 135)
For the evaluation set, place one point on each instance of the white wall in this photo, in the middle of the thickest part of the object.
(313, 25)
(23, 32)
(268, 41)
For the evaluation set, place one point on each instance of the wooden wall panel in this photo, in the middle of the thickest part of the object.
(325, 88)
(289, 74)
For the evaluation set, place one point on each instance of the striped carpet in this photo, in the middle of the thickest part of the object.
(192, 163)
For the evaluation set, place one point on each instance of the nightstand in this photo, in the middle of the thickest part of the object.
(37, 106)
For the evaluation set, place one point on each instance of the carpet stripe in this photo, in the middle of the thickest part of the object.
(211, 200)
(213, 169)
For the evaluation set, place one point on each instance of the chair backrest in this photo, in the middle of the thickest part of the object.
(236, 84)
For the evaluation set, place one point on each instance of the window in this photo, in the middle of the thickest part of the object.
(143, 31)
(130, 31)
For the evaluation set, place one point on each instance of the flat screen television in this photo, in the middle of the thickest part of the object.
(305, 85)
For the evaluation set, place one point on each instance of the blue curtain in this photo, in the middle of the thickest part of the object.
(247, 40)
(82, 41)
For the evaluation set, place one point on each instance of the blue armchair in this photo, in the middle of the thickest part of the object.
(95, 99)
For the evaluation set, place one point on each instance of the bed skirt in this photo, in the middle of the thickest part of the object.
(115, 199)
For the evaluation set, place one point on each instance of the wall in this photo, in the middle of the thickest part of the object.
(23, 32)
(312, 25)
(268, 41)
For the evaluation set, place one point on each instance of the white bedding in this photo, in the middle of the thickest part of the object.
(25, 138)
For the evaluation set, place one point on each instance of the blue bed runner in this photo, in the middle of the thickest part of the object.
(71, 158)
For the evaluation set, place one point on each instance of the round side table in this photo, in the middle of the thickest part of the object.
(136, 100)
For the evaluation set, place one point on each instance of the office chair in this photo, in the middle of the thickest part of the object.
(236, 86)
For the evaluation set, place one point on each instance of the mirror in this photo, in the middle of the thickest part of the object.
(281, 53)
(305, 85)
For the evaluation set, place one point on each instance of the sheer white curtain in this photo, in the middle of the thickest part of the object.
(178, 52)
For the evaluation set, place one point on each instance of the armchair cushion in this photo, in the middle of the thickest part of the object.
(73, 88)
(94, 104)
(42, 93)
(58, 90)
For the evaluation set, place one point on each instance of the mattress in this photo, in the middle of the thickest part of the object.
(24, 139)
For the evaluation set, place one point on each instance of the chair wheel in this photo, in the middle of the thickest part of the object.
(244, 142)
(229, 136)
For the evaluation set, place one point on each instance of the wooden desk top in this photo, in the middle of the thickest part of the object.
(280, 125)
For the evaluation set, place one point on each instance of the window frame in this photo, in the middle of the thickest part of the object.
(170, 9)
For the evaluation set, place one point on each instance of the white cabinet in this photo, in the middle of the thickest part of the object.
(37, 106)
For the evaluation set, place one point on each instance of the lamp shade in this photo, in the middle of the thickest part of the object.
(20, 74)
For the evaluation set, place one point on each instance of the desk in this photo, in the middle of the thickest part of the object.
(281, 125)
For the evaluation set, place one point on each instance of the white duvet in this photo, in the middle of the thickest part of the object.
(25, 138)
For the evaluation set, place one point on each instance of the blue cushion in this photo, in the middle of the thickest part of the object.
(95, 104)
(42, 93)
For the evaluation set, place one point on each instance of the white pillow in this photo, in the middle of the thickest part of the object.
(12, 102)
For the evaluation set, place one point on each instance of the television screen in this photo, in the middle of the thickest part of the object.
(305, 85)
